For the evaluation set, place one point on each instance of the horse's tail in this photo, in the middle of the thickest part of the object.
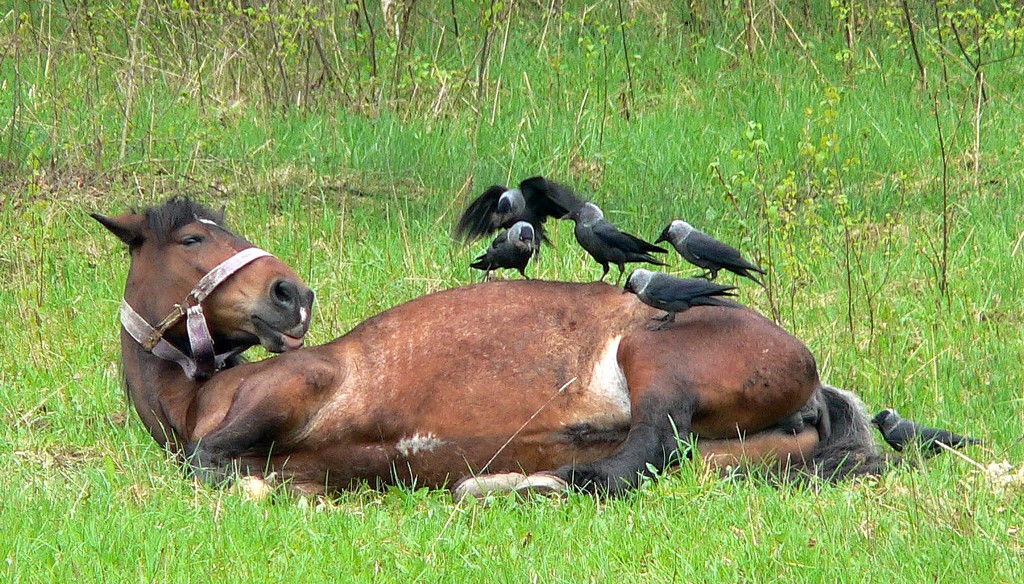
(847, 447)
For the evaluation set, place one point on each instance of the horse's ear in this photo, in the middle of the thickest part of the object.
(127, 228)
(221, 213)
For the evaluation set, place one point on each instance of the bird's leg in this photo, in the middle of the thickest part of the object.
(523, 272)
(666, 320)
(622, 269)
(604, 273)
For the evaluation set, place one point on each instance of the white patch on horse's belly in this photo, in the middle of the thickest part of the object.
(608, 390)
(418, 443)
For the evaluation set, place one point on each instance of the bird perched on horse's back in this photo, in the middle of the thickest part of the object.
(674, 295)
(607, 245)
(898, 432)
(513, 248)
(499, 207)
(704, 251)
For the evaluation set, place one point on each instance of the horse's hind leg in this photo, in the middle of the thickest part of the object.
(667, 391)
(660, 419)
(813, 414)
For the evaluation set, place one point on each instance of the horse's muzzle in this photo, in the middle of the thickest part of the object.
(282, 322)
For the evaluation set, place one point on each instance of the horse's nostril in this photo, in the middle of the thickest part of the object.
(285, 293)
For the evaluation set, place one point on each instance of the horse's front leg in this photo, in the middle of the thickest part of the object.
(252, 423)
(262, 413)
(661, 419)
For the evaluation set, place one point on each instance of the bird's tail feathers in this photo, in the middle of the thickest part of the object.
(714, 300)
(755, 278)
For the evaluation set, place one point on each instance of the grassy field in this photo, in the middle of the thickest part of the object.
(881, 190)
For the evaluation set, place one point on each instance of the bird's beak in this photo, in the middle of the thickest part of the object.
(663, 236)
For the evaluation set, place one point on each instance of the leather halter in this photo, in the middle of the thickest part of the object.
(203, 361)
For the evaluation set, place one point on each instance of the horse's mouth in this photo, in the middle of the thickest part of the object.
(279, 341)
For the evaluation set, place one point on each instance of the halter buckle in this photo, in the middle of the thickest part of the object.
(177, 312)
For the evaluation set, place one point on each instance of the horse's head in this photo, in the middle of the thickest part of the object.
(185, 262)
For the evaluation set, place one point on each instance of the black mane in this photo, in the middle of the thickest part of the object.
(177, 213)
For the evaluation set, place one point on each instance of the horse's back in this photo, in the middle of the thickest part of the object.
(493, 354)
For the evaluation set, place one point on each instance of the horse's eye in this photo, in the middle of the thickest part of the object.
(190, 240)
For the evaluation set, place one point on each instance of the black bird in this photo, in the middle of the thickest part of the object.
(512, 249)
(671, 294)
(499, 207)
(704, 251)
(898, 432)
(607, 245)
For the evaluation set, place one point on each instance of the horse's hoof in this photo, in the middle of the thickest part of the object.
(480, 487)
(542, 484)
(254, 489)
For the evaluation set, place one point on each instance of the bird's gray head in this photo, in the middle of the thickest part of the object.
(886, 419)
(638, 281)
(675, 232)
(521, 231)
(511, 201)
(589, 214)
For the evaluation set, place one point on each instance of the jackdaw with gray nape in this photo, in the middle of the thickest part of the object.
(671, 294)
(512, 249)
(898, 432)
(704, 251)
(607, 245)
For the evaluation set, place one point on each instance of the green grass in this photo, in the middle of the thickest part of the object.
(827, 171)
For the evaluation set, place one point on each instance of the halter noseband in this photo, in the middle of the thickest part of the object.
(203, 361)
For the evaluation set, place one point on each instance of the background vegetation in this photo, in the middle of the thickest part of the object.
(867, 152)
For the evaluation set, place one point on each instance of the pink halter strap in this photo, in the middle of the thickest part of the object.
(203, 361)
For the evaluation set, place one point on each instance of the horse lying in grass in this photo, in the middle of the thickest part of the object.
(513, 384)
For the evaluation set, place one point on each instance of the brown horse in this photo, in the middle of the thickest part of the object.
(559, 381)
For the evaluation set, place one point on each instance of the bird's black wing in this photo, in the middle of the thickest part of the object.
(545, 198)
(480, 217)
(492, 255)
(501, 239)
(503, 255)
(612, 237)
(722, 254)
(550, 199)
(689, 290)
